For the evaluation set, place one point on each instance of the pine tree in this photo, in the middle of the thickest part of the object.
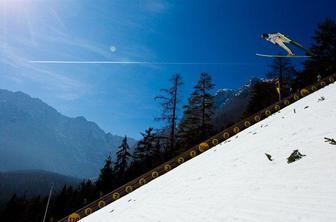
(106, 177)
(146, 149)
(15, 209)
(263, 95)
(60, 203)
(157, 152)
(324, 48)
(88, 191)
(145, 146)
(35, 209)
(196, 123)
(169, 101)
(123, 157)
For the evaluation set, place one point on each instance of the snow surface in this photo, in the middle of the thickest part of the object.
(236, 182)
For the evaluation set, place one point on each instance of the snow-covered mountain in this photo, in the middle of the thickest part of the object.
(235, 181)
(229, 104)
(34, 135)
(222, 96)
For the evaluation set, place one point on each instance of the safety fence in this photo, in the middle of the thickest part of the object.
(194, 151)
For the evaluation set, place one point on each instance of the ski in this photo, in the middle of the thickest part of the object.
(283, 56)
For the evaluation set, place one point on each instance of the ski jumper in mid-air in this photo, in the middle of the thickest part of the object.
(280, 39)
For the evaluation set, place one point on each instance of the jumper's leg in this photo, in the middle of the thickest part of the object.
(282, 45)
(301, 47)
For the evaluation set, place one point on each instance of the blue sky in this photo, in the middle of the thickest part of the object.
(119, 97)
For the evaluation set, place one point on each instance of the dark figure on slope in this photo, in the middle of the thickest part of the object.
(329, 140)
(269, 156)
(296, 155)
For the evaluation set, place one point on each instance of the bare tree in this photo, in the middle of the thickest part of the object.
(169, 100)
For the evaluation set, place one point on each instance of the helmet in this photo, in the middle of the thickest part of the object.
(264, 36)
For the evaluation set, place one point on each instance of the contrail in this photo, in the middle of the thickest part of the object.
(135, 62)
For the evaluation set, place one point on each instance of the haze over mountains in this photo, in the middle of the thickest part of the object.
(34, 135)
(32, 183)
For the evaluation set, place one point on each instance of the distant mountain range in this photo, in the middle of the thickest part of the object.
(230, 104)
(32, 183)
(34, 135)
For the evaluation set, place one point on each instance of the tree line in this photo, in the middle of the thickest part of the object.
(178, 133)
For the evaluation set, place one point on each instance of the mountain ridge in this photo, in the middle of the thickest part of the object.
(229, 104)
(34, 135)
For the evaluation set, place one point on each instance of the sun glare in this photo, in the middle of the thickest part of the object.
(15, 6)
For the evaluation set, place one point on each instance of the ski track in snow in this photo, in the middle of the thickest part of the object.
(236, 182)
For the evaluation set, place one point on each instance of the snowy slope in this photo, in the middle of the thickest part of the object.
(235, 181)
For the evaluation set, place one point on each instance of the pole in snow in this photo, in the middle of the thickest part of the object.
(46, 210)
